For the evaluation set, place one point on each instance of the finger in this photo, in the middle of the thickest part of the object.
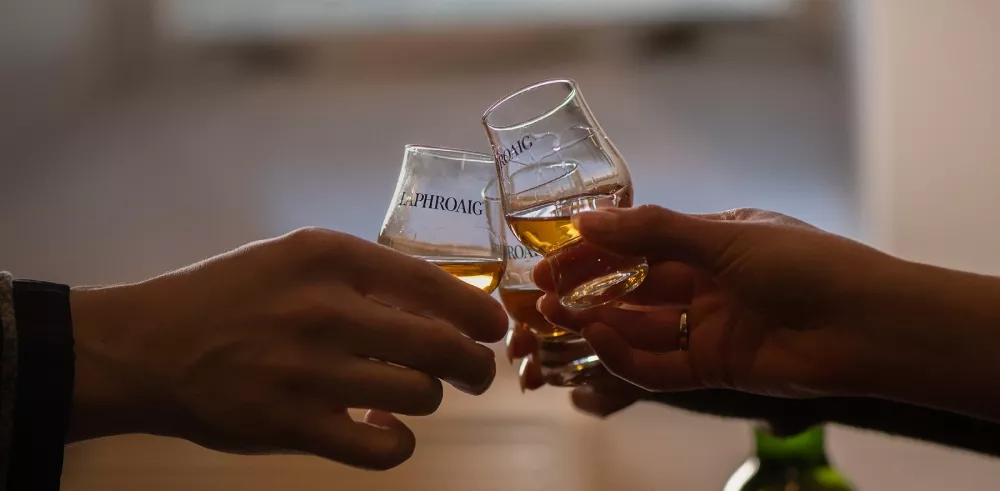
(541, 275)
(529, 374)
(667, 283)
(424, 344)
(649, 330)
(371, 384)
(520, 342)
(608, 382)
(380, 442)
(603, 403)
(669, 371)
(394, 389)
(421, 287)
(707, 241)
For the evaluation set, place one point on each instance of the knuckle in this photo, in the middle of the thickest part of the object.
(745, 214)
(312, 242)
(646, 214)
(648, 210)
(308, 237)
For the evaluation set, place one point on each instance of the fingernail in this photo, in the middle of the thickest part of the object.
(493, 376)
(509, 343)
(521, 378)
(478, 387)
(597, 221)
(379, 418)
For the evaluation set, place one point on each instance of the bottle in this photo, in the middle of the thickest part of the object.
(793, 463)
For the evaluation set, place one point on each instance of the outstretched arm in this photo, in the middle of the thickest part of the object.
(777, 307)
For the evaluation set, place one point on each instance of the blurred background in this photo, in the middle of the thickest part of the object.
(137, 136)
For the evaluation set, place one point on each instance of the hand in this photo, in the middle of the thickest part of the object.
(601, 396)
(264, 348)
(609, 395)
(774, 306)
(523, 345)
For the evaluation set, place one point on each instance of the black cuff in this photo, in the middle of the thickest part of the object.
(44, 391)
(791, 416)
(931, 425)
(783, 416)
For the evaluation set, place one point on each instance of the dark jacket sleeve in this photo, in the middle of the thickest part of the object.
(36, 358)
(790, 416)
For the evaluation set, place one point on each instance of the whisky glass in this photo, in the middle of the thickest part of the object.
(554, 160)
(565, 358)
(437, 214)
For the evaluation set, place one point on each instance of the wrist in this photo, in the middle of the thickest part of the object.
(934, 337)
(109, 396)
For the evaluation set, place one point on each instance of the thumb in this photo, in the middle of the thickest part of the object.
(660, 234)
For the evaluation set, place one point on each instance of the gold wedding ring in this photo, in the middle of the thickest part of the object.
(685, 333)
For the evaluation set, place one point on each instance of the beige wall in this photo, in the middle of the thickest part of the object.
(47, 53)
(58, 58)
(932, 129)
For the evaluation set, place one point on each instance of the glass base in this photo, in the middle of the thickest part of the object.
(568, 361)
(605, 289)
(574, 373)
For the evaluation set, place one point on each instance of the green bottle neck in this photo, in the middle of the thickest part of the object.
(808, 447)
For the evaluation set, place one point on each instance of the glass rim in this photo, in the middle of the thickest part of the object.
(574, 91)
(448, 153)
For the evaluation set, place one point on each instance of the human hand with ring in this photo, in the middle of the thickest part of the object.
(760, 302)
